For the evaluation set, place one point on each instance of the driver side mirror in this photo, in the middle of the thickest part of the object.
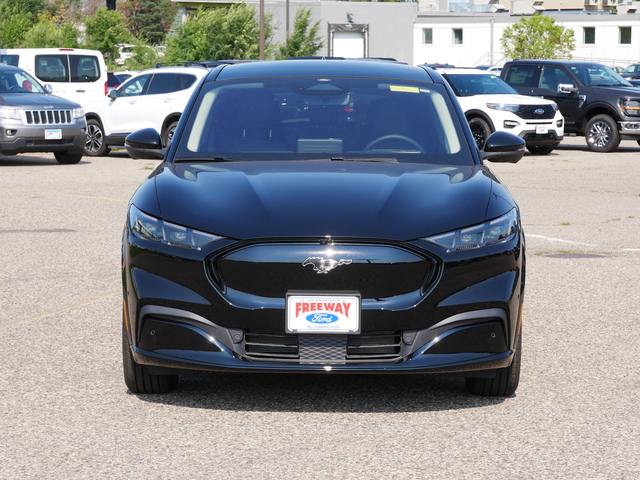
(145, 144)
(113, 94)
(503, 147)
(566, 88)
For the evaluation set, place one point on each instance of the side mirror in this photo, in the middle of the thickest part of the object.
(112, 94)
(145, 144)
(566, 88)
(503, 147)
(48, 88)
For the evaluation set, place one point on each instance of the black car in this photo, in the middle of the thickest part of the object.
(323, 216)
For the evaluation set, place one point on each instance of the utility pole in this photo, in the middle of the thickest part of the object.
(111, 4)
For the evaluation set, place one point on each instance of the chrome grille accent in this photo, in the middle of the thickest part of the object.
(48, 117)
(309, 349)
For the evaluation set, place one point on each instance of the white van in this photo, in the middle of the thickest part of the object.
(76, 74)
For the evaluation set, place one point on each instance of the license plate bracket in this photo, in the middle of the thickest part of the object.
(324, 312)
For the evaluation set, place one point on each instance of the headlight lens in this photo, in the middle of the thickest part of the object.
(493, 232)
(157, 230)
(78, 113)
(503, 106)
(631, 108)
(9, 112)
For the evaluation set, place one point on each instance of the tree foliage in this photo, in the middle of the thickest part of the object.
(149, 20)
(45, 34)
(538, 37)
(304, 41)
(105, 30)
(220, 33)
(16, 18)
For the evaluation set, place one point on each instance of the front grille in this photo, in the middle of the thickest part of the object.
(48, 117)
(528, 112)
(319, 349)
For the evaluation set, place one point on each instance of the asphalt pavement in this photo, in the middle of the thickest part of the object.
(65, 412)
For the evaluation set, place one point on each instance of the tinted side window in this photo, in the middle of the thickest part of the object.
(52, 68)
(84, 68)
(553, 76)
(521, 75)
(10, 60)
(185, 81)
(162, 83)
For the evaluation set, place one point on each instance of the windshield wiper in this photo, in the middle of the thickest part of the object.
(365, 159)
(207, 159)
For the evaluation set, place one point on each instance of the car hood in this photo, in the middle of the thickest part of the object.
(323, 198)
(35, 100)
(506, 99)
(619, 91)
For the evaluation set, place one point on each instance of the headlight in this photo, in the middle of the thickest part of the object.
(157, 230)
(9, 112)
(493, 232)
(503, 107)
(78, 113)
(631, 108)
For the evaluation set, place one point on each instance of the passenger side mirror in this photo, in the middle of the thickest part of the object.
(48, 88)
(113, 94)
(503, 147)
(566, 88)
(145, 144)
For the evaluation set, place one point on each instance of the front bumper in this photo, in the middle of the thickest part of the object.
(24, 139)
(464, 321)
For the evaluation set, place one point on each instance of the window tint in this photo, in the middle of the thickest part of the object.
(10, 60)
(521, 75)
(84, 68)
(552, 77)
(52, 68)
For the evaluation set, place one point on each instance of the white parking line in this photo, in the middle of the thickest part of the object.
(552, 239)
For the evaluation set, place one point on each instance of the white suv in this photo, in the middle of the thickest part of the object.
(490, 104)
(153, 98)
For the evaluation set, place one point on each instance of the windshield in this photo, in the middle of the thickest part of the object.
(18, 81)
(465, 85)
(598, 76)
(301, 118)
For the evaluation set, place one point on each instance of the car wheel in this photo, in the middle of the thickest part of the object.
(540, 149)
(66, 158)
(481, 131)
(95, 146)
(504, 383)
(137, 377)
(167, 136)
(602, 134)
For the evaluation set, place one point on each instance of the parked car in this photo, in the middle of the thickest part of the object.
(595, 101)
(631, 72)
(33, 120)
(323, 216)
(490, 104)
(152, 98)
(76, 74)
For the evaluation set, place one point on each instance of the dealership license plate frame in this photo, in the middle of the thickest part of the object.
(298, 323)
(542, 129)
(53, 134)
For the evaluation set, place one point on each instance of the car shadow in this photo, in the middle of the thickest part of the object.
(25, 161)
(321, 393)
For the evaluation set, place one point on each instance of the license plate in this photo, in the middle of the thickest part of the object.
(53, 134)
(542, 129)
(323, 313)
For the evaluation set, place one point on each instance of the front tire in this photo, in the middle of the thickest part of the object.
(66, 158)
(504, 383)
(167, 136)
(602, 134)
(137, 377)
(95, 145)
(540, 149)
(481, 131)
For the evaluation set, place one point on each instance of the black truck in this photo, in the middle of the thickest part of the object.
(595, 101)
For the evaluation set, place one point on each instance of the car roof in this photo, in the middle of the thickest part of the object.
(464, 71)
(10, 68)
(320, 68)
(558, 62)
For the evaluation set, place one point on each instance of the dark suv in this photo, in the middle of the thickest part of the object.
(596, 102)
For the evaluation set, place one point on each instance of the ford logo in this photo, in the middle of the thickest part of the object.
(539, 111)
(321, 318)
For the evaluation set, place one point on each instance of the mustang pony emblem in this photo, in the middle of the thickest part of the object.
(324, 265)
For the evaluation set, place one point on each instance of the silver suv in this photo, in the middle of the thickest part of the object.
(33, 120)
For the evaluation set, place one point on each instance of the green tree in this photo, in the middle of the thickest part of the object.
(143, 57)
(149, 20)
(220, 33)
(45, 34)
(539, 37)
(16, 18)
(304, 41)
(105, 30)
